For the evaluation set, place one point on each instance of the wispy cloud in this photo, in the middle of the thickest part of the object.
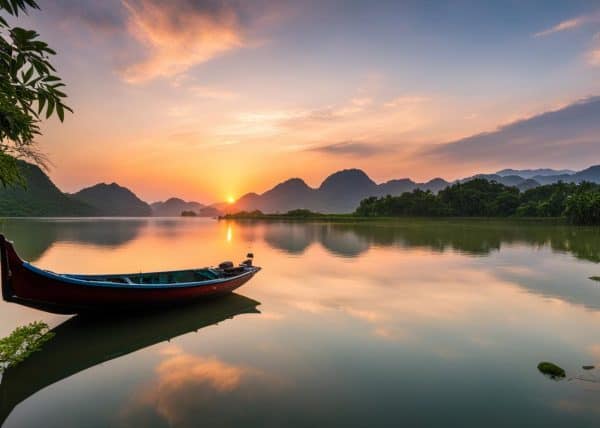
(179, 34)
(406, 100)
(593, 55)
(569, 134)
(351, 148)
(570, 24)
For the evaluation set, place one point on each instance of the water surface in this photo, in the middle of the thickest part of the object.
(414, 323)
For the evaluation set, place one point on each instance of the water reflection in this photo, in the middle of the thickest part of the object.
(473, 237)
(83, 342)
(188, 388)
(35, 237)
(364, 322)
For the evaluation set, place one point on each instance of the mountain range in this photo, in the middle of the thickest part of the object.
(341, 192)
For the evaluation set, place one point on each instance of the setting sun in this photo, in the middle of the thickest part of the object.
(230, 199)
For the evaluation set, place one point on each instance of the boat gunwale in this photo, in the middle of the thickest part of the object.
(67, 278)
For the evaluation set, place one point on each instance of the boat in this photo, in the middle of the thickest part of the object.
(28, 285)
(86, 340)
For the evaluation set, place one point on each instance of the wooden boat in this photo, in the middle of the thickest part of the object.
(28, 285)
(87, 340)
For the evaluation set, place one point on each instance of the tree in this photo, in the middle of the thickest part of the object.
(29, 90)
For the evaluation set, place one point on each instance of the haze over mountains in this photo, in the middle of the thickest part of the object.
(340, 192)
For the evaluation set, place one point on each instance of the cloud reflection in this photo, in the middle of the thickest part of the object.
(187, 388)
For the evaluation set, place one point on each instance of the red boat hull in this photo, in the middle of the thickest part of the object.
(27, 287)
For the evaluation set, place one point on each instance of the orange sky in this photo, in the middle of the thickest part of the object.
(206, 102)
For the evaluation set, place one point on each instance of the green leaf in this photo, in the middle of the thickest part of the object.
(41, 102)
(50, 109)
(60, 111)
(28, 75)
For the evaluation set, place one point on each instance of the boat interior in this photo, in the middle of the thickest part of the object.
(174, 277)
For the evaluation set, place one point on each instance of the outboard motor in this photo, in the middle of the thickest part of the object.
(226, 265)
(248, 261)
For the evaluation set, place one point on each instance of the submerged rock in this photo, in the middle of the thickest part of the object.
(588, 367)
(551, 369)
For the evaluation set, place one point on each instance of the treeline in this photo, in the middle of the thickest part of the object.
(579, 203)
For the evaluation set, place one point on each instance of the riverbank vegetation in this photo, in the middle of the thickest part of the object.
(22, 342)
(578, 203)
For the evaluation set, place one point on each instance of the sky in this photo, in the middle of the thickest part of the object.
(208, 100)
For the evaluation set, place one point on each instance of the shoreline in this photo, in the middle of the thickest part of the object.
(349, 218)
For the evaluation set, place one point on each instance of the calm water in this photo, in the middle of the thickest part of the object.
(395, 324)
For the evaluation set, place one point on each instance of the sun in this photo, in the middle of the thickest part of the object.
(230, 199)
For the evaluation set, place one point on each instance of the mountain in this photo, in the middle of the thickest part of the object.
(531, 173)
(589, 174)
(40, 197)
(507, 180)
(114, 200)
(173, 207)
(340, 192)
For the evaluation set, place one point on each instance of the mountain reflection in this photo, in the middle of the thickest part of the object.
(34, 237)
(477, 238)
(83, 342)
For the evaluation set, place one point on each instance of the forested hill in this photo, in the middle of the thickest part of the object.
(40, 197)
(114, 200)
(579, 203)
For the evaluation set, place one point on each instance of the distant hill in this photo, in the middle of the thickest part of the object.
(40, 198)
(507, 180)
(589, 174)
(340, 192)
(173, 207)
(114, 200)
(531, 173)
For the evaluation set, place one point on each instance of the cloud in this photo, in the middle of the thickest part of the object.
(593, 55)
(406, 100)
(180, 34)
(350, 148)
(570, 134)
(570, 24)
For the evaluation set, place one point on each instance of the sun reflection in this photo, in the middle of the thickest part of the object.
(229, 233)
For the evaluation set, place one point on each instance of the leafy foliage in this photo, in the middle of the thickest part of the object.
(579, 203)
(22, 342)
(29, 90)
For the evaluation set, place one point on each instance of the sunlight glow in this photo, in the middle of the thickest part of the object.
(229, 233)
(230, 199)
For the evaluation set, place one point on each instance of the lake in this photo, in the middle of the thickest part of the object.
(408, 323)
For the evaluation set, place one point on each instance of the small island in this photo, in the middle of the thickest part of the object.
(189, 214)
